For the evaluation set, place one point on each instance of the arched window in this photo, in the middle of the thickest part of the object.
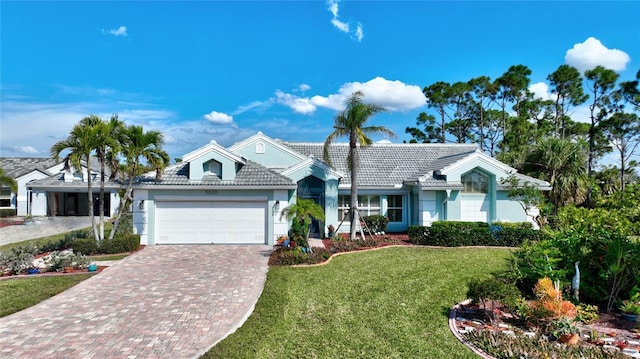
(475, 182)
(259, 147)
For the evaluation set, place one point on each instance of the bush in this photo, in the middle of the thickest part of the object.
(455, 234)
(493, 289)
(284, 256)
(86, 246)
(120, 244)
(126, 224)
(18, 259)
(376, 223)
(7, 212)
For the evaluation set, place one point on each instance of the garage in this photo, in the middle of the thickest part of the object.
(210, 222)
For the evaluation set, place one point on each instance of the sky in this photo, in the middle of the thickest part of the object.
(215, 70)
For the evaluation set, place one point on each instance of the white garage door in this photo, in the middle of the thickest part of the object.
(210, 222)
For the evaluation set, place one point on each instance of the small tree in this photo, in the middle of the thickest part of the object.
(526, 194)
(303, 211)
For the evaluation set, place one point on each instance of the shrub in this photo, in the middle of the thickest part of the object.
(120, 244)
(455, 234)
(7, 212)
(491, 290)
(86, 246)
(284, 256)
(18, 259)
(587, 313)
(59, 260)
(126, 224)
(376, 223)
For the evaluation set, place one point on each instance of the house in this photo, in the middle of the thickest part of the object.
(46, 189)
(237, 194)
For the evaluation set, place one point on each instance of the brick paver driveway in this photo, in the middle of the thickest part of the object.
(162, 302)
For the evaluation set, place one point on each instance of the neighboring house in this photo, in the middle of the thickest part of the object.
(236, 194)
(45, 189)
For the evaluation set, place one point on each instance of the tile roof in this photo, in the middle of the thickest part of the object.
(18, 166)
(251, 174)
(386, 165)
(57, 180)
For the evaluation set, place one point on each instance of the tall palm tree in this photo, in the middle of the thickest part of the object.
(106, 142)
(351, 122)
(79, 146)
(561, 162)
(136, 145)
(304, 211)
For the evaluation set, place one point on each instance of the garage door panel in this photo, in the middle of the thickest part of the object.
(210, 222)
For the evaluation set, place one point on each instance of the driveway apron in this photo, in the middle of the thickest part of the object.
(161, 302)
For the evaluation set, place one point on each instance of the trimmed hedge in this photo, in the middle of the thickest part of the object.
(120, 244)
(7, 212)
(86, 246)
(456, 234)
(376, 223)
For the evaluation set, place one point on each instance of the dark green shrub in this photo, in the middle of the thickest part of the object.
(86, 246)
(376, 223)
(418, 234)
(7, 212)
(120, 244)
(296, 233)
(493, 289)
(284, 256)
(514, 236)
(126, 224)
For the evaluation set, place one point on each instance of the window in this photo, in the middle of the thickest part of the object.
(368, 206)
(259, 147)
(213, 167)
(394, 208)
(475, 182)
(5, 196)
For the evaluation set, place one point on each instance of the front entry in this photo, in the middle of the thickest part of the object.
(313, 188)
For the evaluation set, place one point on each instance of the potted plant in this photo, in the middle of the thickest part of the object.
(565, 331)
(631, 308)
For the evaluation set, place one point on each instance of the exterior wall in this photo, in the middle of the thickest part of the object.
(272, 157)
(21, 199)
(144, 212)
(38, 204)
(508, 210)
(196, 170)
(280, 224)
(427, 208)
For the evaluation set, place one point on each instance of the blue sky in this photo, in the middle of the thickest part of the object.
(210, 70)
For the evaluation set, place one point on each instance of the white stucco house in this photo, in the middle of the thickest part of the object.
(236, 194)
(46, 189)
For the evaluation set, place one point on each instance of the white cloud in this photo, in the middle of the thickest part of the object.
(304, 87)
(541, 90)
(121, 31)
(392, 95)
(251, 106)
(341, 25)
(219, 118)
(591, 53)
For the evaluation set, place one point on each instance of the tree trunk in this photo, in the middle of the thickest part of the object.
(353, 214)
(90, 189)
(101, 209)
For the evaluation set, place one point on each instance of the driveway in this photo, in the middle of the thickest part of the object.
(161, 302)
(42, 227)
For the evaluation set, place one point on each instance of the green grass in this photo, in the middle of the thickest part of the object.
(390, 303)
(110, 257)
(18, 294)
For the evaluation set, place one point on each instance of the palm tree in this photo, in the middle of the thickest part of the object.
(80, 144)
(137, 144)
(561, 162)
(106, 143)
(303, 211)
(8, 181)
(351, 122)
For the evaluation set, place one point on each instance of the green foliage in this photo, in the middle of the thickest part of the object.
(18, 259)
(586, 313)
(284, 256)
(376, 223)
(125, 226)
(7, 212)
(455, 234)
(86, 246)
(492, 289)
(120, 244)
(58, 261)
(502, 346)
(296, 232)
(303, 211)
(623, 220)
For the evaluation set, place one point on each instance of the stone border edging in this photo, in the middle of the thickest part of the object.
(454, 330)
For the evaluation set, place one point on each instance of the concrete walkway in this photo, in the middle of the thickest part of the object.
(42, 227)
(161, 302)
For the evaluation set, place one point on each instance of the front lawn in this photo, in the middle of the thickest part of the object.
(18, 294)
(388, 303)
